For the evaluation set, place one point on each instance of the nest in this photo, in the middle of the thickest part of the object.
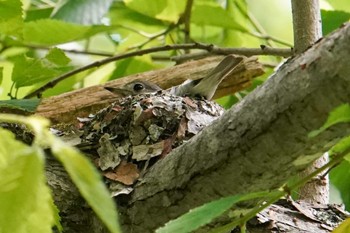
(128, 137)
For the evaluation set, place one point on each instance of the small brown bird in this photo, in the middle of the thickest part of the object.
(205, 87)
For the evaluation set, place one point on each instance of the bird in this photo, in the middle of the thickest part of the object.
(204, 87)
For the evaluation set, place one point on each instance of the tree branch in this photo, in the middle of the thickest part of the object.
(68, 106)
(307, 25)
(254, 146)
(208, 47)
(187, 22)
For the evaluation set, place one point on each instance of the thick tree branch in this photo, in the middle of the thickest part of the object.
(256, 145)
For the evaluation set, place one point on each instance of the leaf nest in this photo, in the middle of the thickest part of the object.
(133, 133)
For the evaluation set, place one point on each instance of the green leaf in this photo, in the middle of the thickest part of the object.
(28, 105)
(11, 22)
(340, 114)
(1, 74)
(340, 178)
(38, 13)
(212, 14)
(167, 10)
(204, 214)
(132, 66)
(342, 146)
(127, 17)
(28, 71)
(57, 56)
(85, 12)
(25, 200)
(332, 20)
(53, 32)
(89, 183)
(344, 227)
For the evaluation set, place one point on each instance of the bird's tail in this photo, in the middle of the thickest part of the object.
(208, 85)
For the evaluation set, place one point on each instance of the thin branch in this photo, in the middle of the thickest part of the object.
(263, 50)
(102, 54)
(271, 38)
(186, 17)
(151, 38)
(211, 49)
(261, 33)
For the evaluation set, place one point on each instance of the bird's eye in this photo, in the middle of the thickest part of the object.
(138, 87)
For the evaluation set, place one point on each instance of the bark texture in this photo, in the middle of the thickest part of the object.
(307, 24)
(307, 30)
(256, 145)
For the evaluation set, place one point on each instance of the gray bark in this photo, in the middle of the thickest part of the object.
(307, 30)
(307, 24)
(256, 145)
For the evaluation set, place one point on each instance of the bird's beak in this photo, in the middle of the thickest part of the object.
(118, 91)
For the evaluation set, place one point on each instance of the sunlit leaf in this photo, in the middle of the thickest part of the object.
(11, 22)
(212, 14)
(25, 200)
(340, 114)
(52, 32)
(85, 12)
(57, 56)
(167, 10)
(89, 183)
(28, 71)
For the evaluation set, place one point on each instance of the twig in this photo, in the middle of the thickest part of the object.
(261, 33)
(211, 49)
(263, 50)
(52, 83)
(102, 54)
(186, 17)
(151, 38)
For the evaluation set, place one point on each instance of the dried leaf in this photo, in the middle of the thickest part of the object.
(126, 173)
(155, 131)
(145, 152)
(109, 155)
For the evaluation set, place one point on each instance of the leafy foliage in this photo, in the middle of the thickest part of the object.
(204, 214)
(85, 12)
(24, 196)
(339, 115)
(22, 172)
(333, 20)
